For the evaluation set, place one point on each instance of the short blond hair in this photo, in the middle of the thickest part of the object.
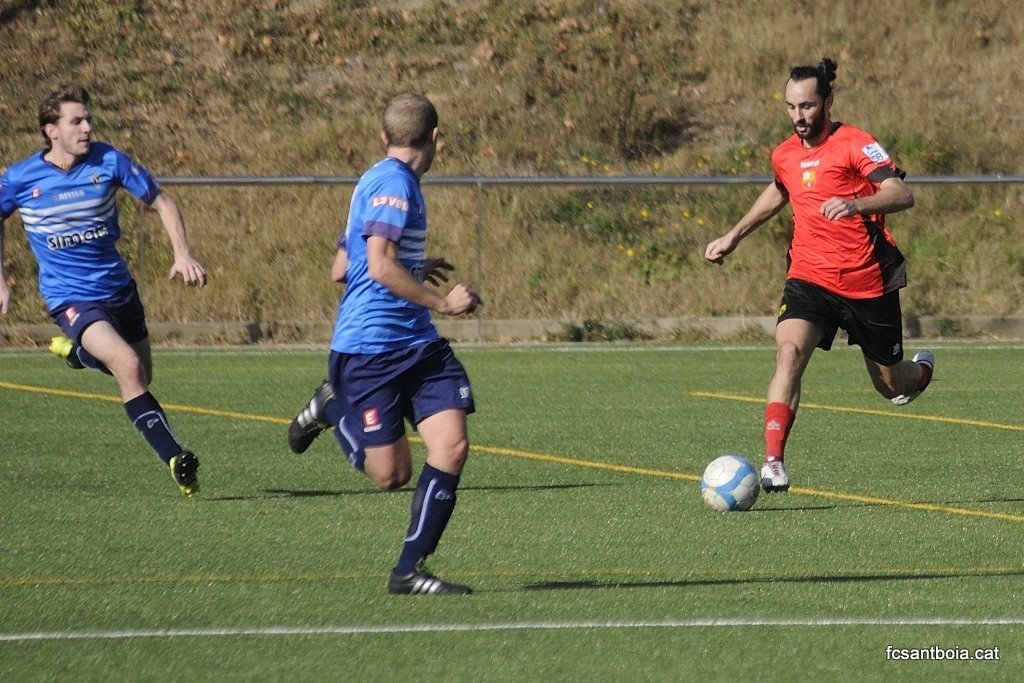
(408, 120)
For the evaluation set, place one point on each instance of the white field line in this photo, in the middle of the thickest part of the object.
(827, 622)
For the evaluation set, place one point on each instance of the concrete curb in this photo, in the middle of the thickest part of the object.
(541, 329)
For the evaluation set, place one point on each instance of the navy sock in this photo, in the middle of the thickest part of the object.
(432, 505)
(149, 418)
(335, 414)
(88, 360)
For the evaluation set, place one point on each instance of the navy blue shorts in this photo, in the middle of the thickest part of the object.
(123, 311)
(383, 390)
(876, 325)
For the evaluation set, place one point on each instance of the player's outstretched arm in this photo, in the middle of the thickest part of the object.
(5, 291)
(769, 203)
(191, 271)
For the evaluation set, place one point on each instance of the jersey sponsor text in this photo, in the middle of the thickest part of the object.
(75, 238)
(393, 202)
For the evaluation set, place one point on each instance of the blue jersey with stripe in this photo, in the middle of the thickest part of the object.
(387, 202)
(70, 220)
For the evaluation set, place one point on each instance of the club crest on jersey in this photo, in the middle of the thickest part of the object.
(808, 178)
(36, 193)
(71, 315)
(875, 152)
(371, 420)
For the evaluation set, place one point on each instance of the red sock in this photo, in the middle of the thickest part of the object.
(926, 377)
(778, 420)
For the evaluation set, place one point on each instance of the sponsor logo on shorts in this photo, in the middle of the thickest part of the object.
(371, 420)
(463, 392)
(71, 315)
(782, 309)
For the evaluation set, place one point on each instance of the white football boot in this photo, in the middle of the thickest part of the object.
(774, 478)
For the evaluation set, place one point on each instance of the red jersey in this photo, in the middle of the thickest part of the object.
(854, 257)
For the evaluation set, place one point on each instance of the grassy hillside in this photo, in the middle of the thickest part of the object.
(551, 88)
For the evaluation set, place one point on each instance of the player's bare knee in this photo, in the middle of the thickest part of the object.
(390, 478)
(389, 484)
(787, 356)
(390, 481)
(451, 459)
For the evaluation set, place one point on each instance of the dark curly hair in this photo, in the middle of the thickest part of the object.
(824, 74)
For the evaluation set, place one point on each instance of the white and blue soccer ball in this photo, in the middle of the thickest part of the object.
(730, 483)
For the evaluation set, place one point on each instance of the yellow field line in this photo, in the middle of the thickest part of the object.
(578, 462)
(215, 412)
(833, 495)
(628, 469)
(866, 411)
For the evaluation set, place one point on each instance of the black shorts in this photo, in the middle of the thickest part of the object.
(123, 311)
(875, 325)
(380, 391)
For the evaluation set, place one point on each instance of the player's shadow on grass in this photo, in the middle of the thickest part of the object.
(759, 510)
(818, 578)
(323, 493)
(981, 501)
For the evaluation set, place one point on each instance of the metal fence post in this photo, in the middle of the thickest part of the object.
(480, 257)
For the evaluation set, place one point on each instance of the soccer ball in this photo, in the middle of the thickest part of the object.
(729, 483)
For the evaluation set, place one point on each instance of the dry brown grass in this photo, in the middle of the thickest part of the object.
(549, 88)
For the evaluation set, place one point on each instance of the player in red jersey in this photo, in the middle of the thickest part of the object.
(844, 268)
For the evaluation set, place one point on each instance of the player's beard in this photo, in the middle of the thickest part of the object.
(814, 129)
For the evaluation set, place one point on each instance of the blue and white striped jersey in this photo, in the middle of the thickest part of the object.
(387, 202)
(70, 219)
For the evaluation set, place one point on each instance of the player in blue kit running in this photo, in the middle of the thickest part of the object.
(66, 197)
(387, 362)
